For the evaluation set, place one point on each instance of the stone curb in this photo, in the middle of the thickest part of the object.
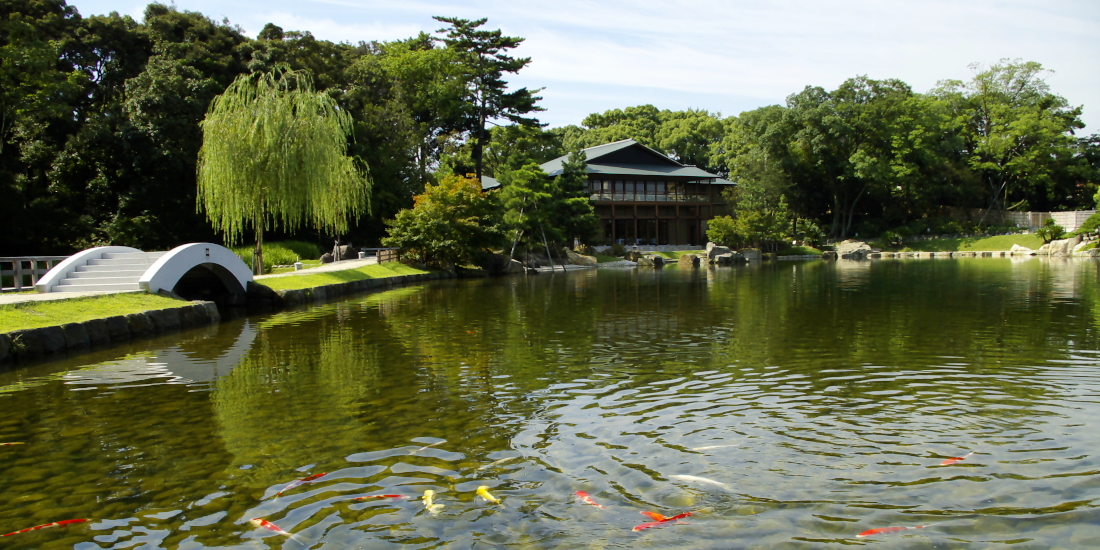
(322, 293)
(29, 344)
(34, 343)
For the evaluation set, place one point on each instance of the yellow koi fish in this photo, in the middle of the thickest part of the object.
(483, 492)
(429, 505)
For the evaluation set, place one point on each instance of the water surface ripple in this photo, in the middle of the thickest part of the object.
(791, 405)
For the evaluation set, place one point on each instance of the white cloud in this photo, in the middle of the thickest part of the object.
(704, 48)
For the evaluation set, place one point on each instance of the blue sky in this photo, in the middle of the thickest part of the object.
(723, 56)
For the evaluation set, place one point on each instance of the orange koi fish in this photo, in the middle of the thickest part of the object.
(957, 459)
(658, 519)
(380, 496)
(45, 525)
(297, 482)
(272, 527)
(887, 531)
(12, 443)
(585, 498)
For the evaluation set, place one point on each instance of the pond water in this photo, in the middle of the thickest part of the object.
(819, 399)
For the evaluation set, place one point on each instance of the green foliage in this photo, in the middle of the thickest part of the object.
(572, 214)
(1091, 225)
(273, 155)
(450, 223)
(274, 254)
(484, 59)
(723, 230)
(304, 250)
(690, 136)
(1050, 231)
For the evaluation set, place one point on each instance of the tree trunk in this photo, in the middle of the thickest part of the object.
(512, 254)
(548, 256)
(258, 254)
(479, 145)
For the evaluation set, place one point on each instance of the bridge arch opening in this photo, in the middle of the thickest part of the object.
(208, 281)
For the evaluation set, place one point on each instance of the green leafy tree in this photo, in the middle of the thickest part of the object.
(572, 215)
(1015, 128)
(449, 223)
(484, 57)
(526, 201)
(273, 155)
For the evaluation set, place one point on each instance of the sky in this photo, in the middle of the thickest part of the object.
(724, 56)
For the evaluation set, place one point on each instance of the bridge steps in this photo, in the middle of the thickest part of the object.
(111, 273)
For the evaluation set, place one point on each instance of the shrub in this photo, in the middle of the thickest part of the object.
(618, 250)
(275, 253)
(1050, 231)
(303, 249)
(1091, 225)
(891, 238)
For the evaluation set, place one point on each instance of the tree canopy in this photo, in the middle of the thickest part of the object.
(274, 155)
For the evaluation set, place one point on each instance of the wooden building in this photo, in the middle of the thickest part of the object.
(645, 198)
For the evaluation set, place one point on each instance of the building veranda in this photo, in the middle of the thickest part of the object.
(645, 198)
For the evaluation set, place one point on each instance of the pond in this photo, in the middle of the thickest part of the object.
(789, 405)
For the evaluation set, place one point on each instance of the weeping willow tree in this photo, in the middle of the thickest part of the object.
(274, 156)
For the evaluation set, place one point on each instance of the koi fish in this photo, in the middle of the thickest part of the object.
(45, 525)
(497, 463)
(658, 519)
(297, 482)
(258, 522)
(957, 459)
(428, 446)
(583, 496)
(470, 332)
(483, 492)
(380, 497)
(13, 443)
(712, 447)
(703, 480)
(887, 530)
(428, 498)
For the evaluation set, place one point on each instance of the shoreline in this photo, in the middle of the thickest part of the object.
(35, 344)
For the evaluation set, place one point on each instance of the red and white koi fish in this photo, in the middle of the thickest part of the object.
(658, 519)
(585, 498)
(887, 530)
(45, 525)
(428, 446)
(297, 482)
(957, 459)
(258, 522)
(380, 497)
(12, 443)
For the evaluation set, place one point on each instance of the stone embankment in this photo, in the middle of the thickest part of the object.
(36, 343)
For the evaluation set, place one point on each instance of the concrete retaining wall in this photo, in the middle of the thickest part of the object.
(30, 344)
(35, 343)
(320, 293)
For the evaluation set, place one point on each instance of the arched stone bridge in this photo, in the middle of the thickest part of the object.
(193, 271)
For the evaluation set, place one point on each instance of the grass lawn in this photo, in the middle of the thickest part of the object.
(377, 271)
(604, 258)
(970, 244)
(306, 264)
(58, 312)
(799, 251)
(675, 255)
